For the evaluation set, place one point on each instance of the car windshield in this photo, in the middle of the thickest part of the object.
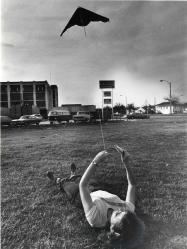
(83, 112)
(24, 117)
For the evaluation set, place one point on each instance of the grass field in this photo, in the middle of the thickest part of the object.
(34, 214)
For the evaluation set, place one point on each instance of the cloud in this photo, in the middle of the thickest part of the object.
(7, 45)
(146, 40)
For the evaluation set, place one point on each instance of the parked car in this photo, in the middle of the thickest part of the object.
(82, 116)
(138, 116)
(59, 116)
(25, 120)
(124, 116)
(37, 116)
(5, 120)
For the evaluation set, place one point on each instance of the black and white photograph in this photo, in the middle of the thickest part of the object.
(93, 124)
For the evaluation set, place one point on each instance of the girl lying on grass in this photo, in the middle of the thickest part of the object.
(103, 209)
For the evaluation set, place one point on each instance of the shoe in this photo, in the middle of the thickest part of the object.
(73, 168)
(60, 182)
(50, 175)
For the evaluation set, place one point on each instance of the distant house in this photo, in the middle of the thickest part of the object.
(185, 108)
(140, 110)
(164, 107)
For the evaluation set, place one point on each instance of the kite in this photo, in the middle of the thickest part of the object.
(82, 17)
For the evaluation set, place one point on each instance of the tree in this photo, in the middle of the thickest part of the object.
(131, 108)
(107, 113)
(174, 99)
(119, 108)
(149, 109)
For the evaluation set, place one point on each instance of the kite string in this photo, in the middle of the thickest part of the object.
(102, 132)
(115, 168)
(102, 135)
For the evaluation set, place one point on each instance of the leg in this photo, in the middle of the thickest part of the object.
(70, 185)
(71, 189)
(50, 175)
(73, 176)
(73, 170)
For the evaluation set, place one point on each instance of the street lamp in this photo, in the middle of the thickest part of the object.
(122, 98)
(169, 92)
(125, 102)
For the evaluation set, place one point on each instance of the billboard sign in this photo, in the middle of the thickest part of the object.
(107, 101)
(106, 84)
(107, 94)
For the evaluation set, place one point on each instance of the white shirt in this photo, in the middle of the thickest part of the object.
(97, 215)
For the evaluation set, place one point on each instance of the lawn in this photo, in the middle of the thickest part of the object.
(34, 214)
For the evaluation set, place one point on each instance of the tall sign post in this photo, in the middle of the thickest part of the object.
(107, 87)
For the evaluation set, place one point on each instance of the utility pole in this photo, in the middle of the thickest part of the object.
(146, 104)
(155, 104)
(126, 104)
(169, 93)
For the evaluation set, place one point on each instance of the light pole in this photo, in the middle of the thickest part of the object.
(122, 99)
(125, 102)
(146, 104)
(169, 92)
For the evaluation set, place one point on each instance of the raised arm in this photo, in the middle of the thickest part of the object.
(131, 193)
(83, 185)
(125, 157)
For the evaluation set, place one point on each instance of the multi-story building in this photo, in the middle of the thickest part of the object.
(27, 97)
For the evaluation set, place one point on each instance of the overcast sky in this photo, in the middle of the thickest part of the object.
(143, 43)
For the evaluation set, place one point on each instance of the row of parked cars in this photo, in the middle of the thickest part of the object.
(22, 121)
(53, 116)
(138, 116)
(60, 116)
(63, 115)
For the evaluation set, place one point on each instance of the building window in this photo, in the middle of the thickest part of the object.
(4, 96)
(28, 102)
(107, 94)
(40, 103)
(40, 96)
(15, 96)
(107, 101)
(14, 88)
(40, 88)
(4, 104)
(27, 96)
(3, 89)
(27, 88)
(54, 99)
(15, 103)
